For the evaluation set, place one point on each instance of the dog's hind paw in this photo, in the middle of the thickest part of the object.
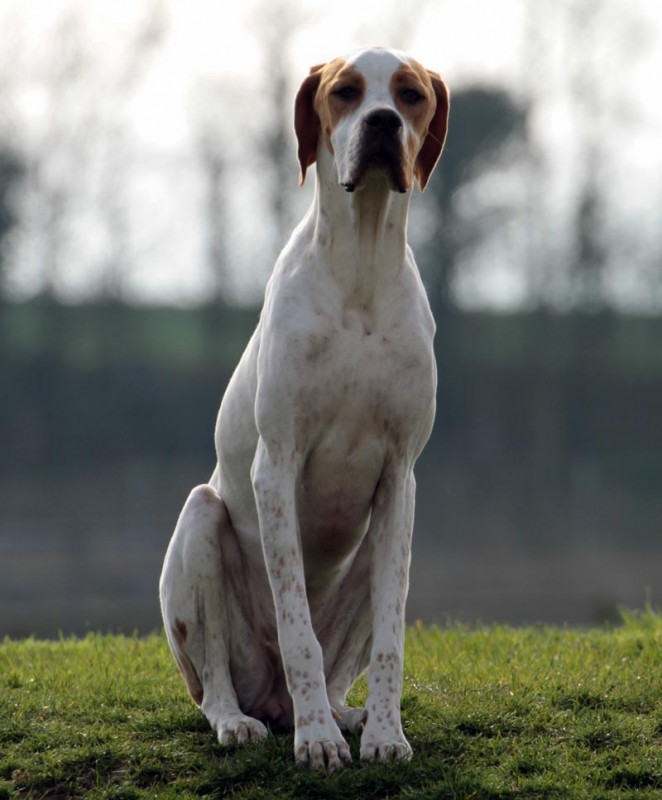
(351, 720)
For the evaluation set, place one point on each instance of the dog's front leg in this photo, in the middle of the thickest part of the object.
(317, 738)
(390, 532)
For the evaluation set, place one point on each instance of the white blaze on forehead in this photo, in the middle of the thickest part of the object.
(377, 58)
(377, 67)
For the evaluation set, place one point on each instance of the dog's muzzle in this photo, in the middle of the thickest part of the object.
(380, 149)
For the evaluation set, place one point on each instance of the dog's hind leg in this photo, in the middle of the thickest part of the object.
(346, 637)
(349, 663)
(198, 610)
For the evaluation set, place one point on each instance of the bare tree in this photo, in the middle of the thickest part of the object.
(487, 134)
(75, 155)
(211, 155)
(279, 24)
(571, 247)
(51, 170)
(138, 50)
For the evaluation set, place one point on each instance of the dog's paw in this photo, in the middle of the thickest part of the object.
(395, 750)
(321, 746)
(238, 728)
(351, 720)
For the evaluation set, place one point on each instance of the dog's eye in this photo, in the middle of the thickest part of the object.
(346, 93)
(410, 96)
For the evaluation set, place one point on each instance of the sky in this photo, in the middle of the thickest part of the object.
(207, 45)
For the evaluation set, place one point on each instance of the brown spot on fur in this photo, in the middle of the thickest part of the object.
(318, 346)
(180, 632)
(190, 677)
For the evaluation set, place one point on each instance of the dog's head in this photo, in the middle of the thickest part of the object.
(376, 111)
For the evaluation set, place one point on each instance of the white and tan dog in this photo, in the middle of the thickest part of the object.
(287, 574)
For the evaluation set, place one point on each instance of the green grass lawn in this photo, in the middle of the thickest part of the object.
(491, 713)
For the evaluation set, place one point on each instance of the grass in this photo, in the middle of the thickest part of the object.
(491, 713)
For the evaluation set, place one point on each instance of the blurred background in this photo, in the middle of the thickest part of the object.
(147, 181)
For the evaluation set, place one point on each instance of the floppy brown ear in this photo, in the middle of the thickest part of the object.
(306, 121)
(434, 141)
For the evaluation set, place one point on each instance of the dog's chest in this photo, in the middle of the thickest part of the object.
(365, 377)
(363, 395)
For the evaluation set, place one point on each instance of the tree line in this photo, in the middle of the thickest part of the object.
(547, 424)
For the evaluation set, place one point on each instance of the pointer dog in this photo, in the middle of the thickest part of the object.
(287, 573)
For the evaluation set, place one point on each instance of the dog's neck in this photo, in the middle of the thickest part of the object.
(362, 235)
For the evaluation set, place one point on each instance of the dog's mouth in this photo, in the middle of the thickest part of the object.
(393, 173)
(379, 153)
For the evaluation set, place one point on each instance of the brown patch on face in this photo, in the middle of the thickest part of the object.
(340, 91)
(414, 99)
(330, 92)
(422, 98)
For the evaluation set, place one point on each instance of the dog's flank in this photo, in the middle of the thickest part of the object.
(287, 573)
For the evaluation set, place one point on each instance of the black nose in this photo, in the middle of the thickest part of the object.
(383, 120)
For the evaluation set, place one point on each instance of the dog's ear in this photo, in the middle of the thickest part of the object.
(306, 121)
(436, 135)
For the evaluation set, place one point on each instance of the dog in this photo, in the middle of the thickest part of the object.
(287, 573)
